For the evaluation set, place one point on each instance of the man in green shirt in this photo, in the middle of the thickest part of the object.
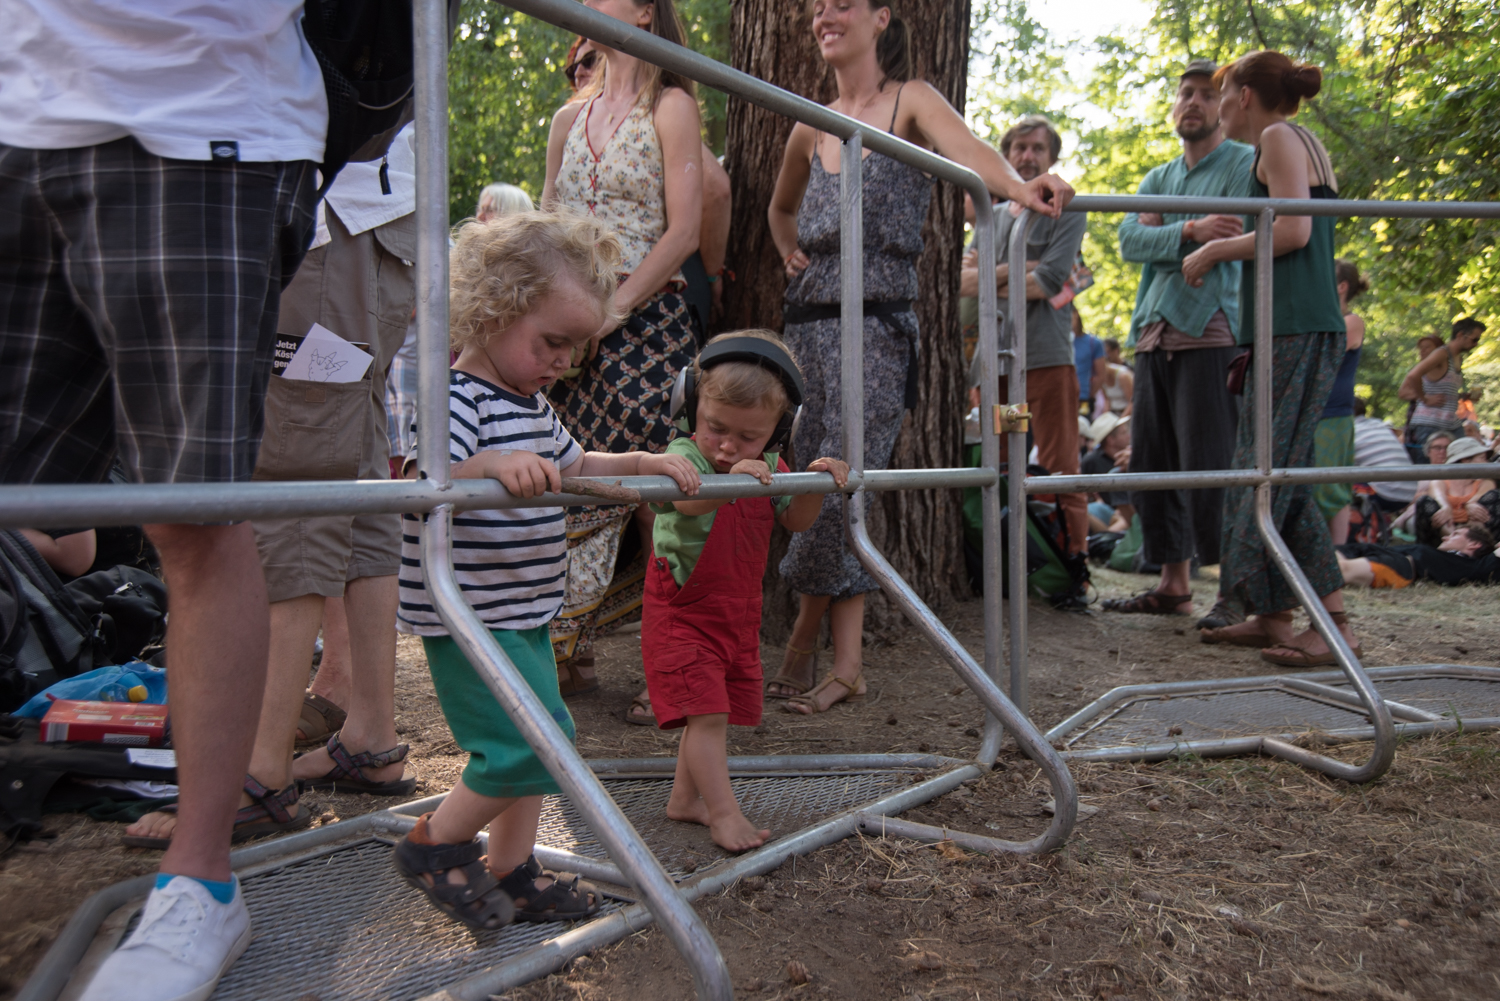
(1184, 338)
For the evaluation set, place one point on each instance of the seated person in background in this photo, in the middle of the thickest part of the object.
(1435, 449)
(1112, 436)
(1452, 504)
(68, 551)
(1084, 442)
(1466, 557)
(1375, 445)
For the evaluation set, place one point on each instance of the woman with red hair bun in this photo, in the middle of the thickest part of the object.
(1258, 93)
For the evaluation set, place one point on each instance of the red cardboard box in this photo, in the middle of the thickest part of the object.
(139, 724)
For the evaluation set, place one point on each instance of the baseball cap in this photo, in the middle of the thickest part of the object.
(1199, 67)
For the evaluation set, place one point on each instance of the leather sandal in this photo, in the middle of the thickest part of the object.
(576, 676)
(477, 902)
(1301, 658)
(567, 899)
(268, 813)
(644, 718)
(800, 683)
(810, 699)
(348, 773)
(1151, 602)
(1256, 640)
(321, 719)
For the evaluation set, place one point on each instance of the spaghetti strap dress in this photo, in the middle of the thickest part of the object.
(896, 197)
(618, 402)
(1308, 346)
(1427, 421)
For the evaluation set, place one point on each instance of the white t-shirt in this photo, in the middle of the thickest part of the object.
(181, 76)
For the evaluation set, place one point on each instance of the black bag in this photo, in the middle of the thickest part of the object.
(364, 48)
(47, 637)
(50, 631)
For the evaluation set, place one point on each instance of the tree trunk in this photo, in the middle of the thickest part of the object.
(919, 531)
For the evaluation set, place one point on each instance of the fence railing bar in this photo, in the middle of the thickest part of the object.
(1251, 477)
(1343, 208)
(1384, 751)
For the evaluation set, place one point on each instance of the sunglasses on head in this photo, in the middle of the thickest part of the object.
(587, 62)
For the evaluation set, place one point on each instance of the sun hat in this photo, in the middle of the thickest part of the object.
(1083, 424)
(1105, 425)
(1464, 448)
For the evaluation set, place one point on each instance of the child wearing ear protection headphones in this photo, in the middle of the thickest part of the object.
(700, 630)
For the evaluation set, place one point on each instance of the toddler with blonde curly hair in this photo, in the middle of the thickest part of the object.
(525, 290)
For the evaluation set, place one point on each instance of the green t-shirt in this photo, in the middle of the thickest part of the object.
(679, 538)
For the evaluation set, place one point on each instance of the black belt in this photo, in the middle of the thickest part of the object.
(796, 313)
(811, 313)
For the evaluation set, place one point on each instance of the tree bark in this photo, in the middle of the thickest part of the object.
(921, 532)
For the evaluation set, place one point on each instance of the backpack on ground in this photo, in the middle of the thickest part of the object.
(50, 631)
(1050, 572)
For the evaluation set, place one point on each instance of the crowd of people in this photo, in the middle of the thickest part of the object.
(150, 265)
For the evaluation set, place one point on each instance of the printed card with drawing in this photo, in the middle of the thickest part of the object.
(324, 356)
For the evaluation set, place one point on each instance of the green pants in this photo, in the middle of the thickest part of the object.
(1333, 446)
(501, 763)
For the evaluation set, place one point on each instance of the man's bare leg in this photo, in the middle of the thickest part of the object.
(217, 644)
(370, 603)
(334, 670)
(293, 628)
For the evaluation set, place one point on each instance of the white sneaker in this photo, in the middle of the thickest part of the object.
(185, 942)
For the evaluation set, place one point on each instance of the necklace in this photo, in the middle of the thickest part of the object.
(861, 110)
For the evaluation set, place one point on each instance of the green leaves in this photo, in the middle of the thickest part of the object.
(1408, 109)
(505, 82)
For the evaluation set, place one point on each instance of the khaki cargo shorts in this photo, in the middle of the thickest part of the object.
(360, 287)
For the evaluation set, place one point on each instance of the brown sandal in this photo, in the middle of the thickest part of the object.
(810, 699)
(1258, 641)
(645, 718)
(799, 683)
(576, 676)
(1301, 658)
(269, 812)
(321, 719)
(1152, 602)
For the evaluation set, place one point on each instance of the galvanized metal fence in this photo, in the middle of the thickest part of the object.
(437, 494)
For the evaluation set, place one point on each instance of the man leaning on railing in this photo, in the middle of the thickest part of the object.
(1033, 146)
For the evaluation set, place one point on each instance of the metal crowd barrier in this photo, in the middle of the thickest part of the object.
(437, 494)
(1263, 477)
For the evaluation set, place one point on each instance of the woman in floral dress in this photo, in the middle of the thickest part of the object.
(626, 150)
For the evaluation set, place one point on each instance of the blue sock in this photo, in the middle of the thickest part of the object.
(222, 892)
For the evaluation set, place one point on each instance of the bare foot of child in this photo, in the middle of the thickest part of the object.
(737, 834)
(688, 811)
(732, 833)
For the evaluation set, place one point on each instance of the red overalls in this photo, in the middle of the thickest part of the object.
(700, 643)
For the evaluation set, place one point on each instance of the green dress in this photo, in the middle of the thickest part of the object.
(1307, 327)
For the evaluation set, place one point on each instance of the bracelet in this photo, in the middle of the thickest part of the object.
(788, 258)
(712, 279)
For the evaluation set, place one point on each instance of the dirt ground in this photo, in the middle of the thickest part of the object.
(1229, 878)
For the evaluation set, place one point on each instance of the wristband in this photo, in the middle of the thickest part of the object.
(788, 258)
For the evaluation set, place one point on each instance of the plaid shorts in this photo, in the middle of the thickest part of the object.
(138, 305)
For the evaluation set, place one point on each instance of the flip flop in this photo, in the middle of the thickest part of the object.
(1152, 602)
(1301, 658)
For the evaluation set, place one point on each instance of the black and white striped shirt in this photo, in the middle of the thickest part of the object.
(512, 564)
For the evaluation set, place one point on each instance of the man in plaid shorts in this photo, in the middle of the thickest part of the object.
(157, 179)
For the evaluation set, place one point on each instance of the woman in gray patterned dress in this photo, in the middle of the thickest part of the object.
(869, 51)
